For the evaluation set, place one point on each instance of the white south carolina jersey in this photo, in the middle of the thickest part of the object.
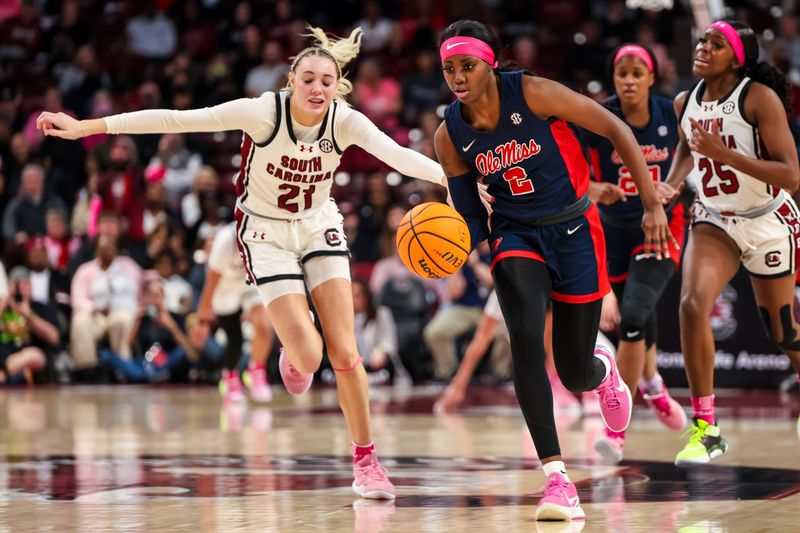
(285, 177)
(720, 187)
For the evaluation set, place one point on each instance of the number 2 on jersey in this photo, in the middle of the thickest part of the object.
(728, 183)
(518, 181)
(292, 192)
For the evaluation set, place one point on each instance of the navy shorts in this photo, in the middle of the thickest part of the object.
(626, 243)
(574, 252)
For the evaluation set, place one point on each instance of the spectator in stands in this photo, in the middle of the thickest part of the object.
(377, 28)
(105, 296)
(85, 198)
(52, 102)
(206, 183)
(68, 24)
(154, 203)
(178, 295)
(232, 31)
(248, 58)
(20, 36)
(179, 166)
(121, 188)
(159, 344)
(377, 96)
(151, 35)
(270, 75)
(80, 80)
(48, 286)
(423, 89)
(28, 330)
(19, 156)
(59, 245)
(25, 214)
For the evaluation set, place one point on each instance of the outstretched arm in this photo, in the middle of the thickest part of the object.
(355, 128)
(547, 99)
(252, 115)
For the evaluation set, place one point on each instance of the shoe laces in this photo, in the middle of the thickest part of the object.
(371, 469)
(694, 432)
(556, 484)
(607, 395)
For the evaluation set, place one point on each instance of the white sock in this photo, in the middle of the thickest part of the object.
(605, 361)
(555, 466)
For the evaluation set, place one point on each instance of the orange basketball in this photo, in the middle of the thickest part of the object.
(433, 240)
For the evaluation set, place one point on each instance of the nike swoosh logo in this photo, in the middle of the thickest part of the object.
(467, 147)
(632, 334)
(573, 230)
(639, 257)
(573, 502)
(453, 45)
(620, 388)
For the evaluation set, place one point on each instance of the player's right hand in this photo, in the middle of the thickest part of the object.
(451, 399)
(606, 193)
(59, 125)
(666, 192)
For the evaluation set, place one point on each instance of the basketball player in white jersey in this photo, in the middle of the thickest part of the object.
(289, 229)
(735, 138)
(227, 299)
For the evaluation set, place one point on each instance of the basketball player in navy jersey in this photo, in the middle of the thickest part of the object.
(510, 130)
(736, 142)
(637, 280)
(289, 229)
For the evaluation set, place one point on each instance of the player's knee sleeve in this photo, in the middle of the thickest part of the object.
(637, 305)
(788, 340)
(651, 331)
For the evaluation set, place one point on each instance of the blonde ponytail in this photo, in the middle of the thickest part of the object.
(340, 50)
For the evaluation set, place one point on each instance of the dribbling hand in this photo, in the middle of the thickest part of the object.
(657, 236)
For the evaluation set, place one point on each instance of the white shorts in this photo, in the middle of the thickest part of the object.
(286, 256)
(769, 244)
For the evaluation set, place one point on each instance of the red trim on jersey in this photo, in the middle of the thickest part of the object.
(618, 279)
(599, 240)
(572, 155)
(578, 299)
(247, 144)
(594, 157)
(517, 253)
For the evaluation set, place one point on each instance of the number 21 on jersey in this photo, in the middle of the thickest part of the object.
(626, 183)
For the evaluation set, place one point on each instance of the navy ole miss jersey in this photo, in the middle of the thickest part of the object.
(657, 141)
(533, 167)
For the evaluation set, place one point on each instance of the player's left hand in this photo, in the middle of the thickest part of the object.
(657, 236)
(707, 143)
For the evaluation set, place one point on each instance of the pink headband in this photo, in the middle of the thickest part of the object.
(637, 51)
(733, 38)
(469, 46)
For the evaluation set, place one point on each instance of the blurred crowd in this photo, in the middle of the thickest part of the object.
(104, 240)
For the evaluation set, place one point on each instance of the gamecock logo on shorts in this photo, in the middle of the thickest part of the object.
(332, 237)
(723, 319)
(772, 259)
(326, 146)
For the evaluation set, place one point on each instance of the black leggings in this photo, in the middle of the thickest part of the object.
(232, 326)
(638, 297)
(523, 289)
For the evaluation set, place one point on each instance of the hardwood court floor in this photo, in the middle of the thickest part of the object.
(130, 458)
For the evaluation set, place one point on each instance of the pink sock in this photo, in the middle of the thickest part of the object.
(704, 408)
(359, 451)
(615, 434)
(256, 365)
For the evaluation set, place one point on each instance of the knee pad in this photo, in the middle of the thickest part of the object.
(637, 305)
(789, 340)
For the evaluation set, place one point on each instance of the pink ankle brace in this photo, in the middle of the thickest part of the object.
(358, 362)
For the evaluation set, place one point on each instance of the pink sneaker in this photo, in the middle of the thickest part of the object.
(667, 410)
(610, 446)
(294, 381)
(560, 501)
(230, 386)
(371, 481)
(255, 379)
(614, 396)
